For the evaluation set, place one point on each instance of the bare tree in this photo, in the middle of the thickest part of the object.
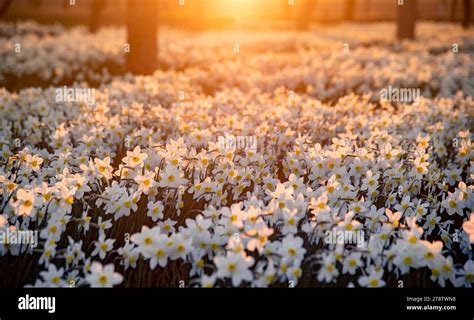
(406, 22)
(349, 10)
(305, 13)
(466, 20)
(142, 34)
(97, 7)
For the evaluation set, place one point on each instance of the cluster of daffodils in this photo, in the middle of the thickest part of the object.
(324, 63)
(59, 56)
(29, 27)
(138, 189)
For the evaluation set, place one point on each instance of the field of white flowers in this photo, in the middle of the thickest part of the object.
(259, 159)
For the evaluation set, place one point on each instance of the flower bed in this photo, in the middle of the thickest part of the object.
(237, 174)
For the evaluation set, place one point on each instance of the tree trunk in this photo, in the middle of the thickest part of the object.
(142, 28)
(454, 6)
(97, 7)
(349, 10)
(4, 6)
(466, 20)
(407, 14)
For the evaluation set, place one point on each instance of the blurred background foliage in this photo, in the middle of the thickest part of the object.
(205, 14)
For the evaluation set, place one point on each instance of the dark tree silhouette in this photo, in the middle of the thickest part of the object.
(4, 6)
(349, 10)
(454, 6)
(142, 35)
(466, 20)
(97, 7)
(406, 22)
